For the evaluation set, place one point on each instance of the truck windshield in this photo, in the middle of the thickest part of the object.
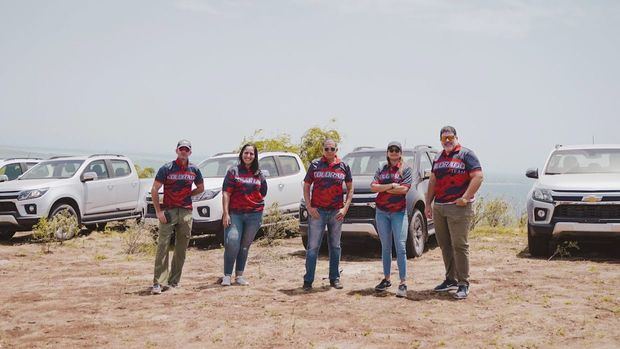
(367, 163)
(584, 161)
(216, 168)
(53, 169)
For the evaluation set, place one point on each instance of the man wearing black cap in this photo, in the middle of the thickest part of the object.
(175, 215)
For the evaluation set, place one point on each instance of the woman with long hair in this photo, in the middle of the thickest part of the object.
(392, 182)
(244, 191)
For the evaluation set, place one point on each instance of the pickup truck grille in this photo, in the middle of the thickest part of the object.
(6, 207)
(360, 212)
(578, 213)
(150, 209)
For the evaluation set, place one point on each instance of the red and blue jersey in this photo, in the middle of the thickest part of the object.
(247, 190)
(327, 179)
(177, 180)
(388, 175)
(452, 172)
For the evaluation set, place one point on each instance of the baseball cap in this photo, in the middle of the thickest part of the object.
(395, 144)
(184, 143)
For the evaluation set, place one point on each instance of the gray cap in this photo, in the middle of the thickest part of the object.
(184, 143)
(395, 144)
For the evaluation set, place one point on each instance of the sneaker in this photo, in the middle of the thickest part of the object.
(462, 292)
(446, 285)
(156, 289)
(335, 284)
(307, 286)
(383, 285)
(240, 280)
(402, 291)
(226, 280)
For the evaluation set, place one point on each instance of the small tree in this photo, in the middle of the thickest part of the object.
(62, 226)
(147, 172)
(497, 212)
(280, 142)
(311, 146)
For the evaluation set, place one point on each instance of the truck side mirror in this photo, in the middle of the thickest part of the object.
(4, 178)
(89, 176)
(531, 173)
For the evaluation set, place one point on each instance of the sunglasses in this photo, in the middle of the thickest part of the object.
(329, 149)
(185, 149)
(393, 150)
(447, 138)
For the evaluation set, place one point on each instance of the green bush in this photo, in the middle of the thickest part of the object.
(278, 226)
(62, 226)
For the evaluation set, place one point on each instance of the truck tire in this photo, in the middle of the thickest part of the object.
(539, 246)
(417, 235)
(57, 209)
(6, 235)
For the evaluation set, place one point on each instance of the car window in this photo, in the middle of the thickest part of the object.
(99, 168)
(268, 166)
(12, 171)
(573, 161)
(425, 163)
(53, 169)
(366, 163)
(217, 168)
(29, 165)
(289, 165)
(120, 168)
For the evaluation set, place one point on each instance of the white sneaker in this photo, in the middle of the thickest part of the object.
(226, 280)
(240, 280)
(156, 289)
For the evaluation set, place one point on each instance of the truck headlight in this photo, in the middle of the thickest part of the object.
(31, 194)
(543, 195)
(208, 194)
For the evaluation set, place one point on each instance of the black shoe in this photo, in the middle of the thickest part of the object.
(445, 286)
(335, 284)
(383, 285)
(462, 292)
(307, 286)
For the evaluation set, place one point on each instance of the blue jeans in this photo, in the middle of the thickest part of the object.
(237, 240)
(393, 226)
(316, 228)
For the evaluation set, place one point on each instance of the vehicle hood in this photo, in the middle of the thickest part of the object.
(586, 182)
(361, 184)
(18, 185)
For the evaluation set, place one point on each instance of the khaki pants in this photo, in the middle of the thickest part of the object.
(452, 224)
(181, 223)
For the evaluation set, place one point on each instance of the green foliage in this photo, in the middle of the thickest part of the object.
(478, 213)
(311, 146)
(281, 142)
(62, 226)
(497, 212)
(564, 249)
(138, 239)
(147, 172)
(278, 226)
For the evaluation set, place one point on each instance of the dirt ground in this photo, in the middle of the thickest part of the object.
(88, 293)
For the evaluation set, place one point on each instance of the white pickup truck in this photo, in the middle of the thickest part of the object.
(95, 189)
(283, 171)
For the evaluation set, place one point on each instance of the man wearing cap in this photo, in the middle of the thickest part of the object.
(455, 179)
(326, 208)
(175, 215)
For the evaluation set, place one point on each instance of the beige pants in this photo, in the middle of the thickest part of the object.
(181, 223)
(452, 224)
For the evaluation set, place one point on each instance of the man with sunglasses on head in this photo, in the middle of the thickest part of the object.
(456, 177)
(175, 215)
(326, 207)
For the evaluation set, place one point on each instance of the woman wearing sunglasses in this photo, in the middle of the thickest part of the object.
(392, 182)
(244, 190)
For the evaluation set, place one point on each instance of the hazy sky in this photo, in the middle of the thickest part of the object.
(514, 77)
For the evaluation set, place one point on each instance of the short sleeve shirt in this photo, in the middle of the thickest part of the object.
(247, 190)
(391, 174)
(177, 180)
(452, 172)
(327, 180)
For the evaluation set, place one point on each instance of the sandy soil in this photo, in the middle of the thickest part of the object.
(88, 293)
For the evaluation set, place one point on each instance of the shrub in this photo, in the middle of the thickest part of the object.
(278, 226)
(62, 226)
(138, 239)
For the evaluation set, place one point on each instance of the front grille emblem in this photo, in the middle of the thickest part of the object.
(592, 198)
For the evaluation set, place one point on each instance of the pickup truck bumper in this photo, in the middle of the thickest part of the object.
(14, 222)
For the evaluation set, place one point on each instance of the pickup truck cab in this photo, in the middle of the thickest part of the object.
(11, 169)
(577, 195)
(359, 221)
(95, 189)
(283, 171)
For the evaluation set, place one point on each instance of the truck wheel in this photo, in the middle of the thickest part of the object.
(417, 235)
(324, 247)
(6, 235)
(539, 246)
(64, 234)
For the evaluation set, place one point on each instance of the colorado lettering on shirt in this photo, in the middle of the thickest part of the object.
(247, 190)
(177, 180)
(181, 176)
(453, 173)
(327, 180)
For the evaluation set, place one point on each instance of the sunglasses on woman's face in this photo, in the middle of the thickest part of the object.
(329, 149)
(393, 150)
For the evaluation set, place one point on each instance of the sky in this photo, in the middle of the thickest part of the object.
(514, 77)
